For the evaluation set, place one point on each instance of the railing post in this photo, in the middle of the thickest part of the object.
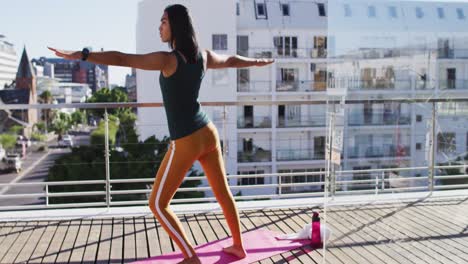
(383, 180)
(47, 194)
(279, 186)
(107, 154)
(376, 184)
(432, 149)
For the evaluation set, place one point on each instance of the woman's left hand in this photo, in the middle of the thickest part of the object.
(67, 54)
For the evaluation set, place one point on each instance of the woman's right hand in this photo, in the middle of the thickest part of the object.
(67, 54)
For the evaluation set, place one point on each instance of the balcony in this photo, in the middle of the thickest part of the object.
(378, 119)
(283, 53)
(257, 155)
(298, 155)
(254, 122)
(301, 86)
(301, 121)
(390, 151)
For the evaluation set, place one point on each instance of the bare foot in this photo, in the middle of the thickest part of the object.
(192, 260)
(236, 251)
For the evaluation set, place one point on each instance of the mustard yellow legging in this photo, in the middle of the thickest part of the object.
(202, 145)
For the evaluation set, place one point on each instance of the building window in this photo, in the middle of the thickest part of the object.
(237, 9)
(250, 180)
(418, 118)
(371, 11)
(285, 46)
(460, 13)
(285, 9)
(260, 10)
(446, 142)
(418, 146)
(220, 42)
(419, 12)
(440, 12)
(321, 9)
(392, 11)
(347, 10)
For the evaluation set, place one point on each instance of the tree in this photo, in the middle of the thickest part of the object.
(61, 124)
(105, 95)
(78, 117)
(46, 98)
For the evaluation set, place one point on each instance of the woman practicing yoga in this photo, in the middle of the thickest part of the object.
(193, 136)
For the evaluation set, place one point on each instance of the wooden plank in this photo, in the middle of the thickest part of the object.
(142, 250)
(154, 243)
(90, 252)
(393, 237)
(28, 249)
(11, 238)
(68, 242)
(208, 232)
(117, 241)
(386, 236)
(360, 231)
(44, 244)
(440, 232)
(56, 242)
(393, 222)
(105, 241)
(80, 242)
(129, 247)
(20, 242)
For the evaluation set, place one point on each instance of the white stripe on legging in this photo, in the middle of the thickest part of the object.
(160, 188)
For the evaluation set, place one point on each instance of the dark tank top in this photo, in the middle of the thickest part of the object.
(180, 97)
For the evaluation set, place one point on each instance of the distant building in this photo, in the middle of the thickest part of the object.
(24, 92)
(131, 85)
(96, 76)
(7, 62)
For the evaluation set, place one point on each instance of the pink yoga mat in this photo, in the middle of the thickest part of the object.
(259, 244)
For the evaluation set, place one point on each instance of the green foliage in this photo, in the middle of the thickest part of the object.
(98, 135)
(41, 126)
(16, 130)
(78, 117)
(38, 137)
(61, 123)
(8, 141)
(105, 95)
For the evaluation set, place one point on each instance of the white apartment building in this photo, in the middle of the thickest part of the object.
(355, 45)
(8, 62)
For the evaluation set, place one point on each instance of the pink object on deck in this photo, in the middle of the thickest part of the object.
(316, 238)
(259, 244)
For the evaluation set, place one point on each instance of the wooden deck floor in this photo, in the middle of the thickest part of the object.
(430, 231)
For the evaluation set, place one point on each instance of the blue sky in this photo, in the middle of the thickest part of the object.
(108, 24)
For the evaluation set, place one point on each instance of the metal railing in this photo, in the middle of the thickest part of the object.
(340, 182)
(284, 52)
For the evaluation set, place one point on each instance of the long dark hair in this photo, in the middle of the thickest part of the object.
(182, 32)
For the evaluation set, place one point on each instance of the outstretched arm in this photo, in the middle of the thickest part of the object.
(216, 61)
(150, 61)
